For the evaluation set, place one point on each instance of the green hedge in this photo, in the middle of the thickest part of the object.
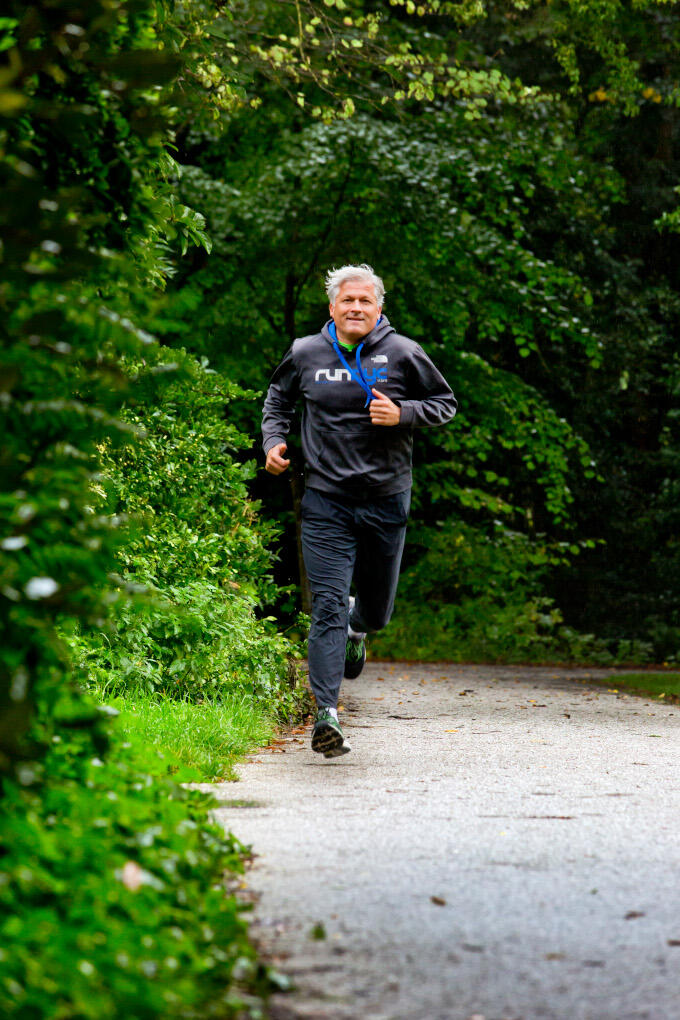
(112, 888)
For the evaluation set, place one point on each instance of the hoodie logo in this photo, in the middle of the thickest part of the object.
(380, 359)
(330, 375)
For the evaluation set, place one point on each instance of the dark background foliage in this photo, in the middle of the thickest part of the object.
(522, 244)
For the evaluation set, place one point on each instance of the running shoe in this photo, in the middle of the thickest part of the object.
(355, 652)
(327, 737)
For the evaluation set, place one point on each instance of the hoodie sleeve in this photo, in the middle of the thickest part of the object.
(433, 401)
(279, 404)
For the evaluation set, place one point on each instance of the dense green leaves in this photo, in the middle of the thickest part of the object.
(195, 563)
(519, 247)
(112, 894)
(111, 880)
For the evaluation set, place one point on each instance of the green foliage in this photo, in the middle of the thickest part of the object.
(206, 737)
(519, 248)
(111, 881)
(76, 160)
(659, 685)
(195, 560)
(184, 483)
(474, 596)
(469, 596)
(196, 641)
(455, 216)
(112, 890)
(478, 281)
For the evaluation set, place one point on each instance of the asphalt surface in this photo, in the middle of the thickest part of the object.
(501, 844)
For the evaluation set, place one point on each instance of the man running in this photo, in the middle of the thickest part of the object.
(363, 388)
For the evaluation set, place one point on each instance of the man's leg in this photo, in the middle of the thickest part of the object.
(380, 544)
(329, 549)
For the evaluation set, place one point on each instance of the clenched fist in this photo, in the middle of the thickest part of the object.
(384, 411)
(276, 462)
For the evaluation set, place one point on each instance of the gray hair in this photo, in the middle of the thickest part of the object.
(336, 277)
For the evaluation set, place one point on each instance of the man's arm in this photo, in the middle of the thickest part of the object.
(434, 402)
(277, 413)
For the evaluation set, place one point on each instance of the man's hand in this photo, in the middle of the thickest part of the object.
(276, 462)
(383, 411)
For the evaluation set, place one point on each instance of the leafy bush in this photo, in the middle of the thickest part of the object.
(194, 641)
(196, 556)
(112, 888)
(186, 482)
(112, 901)
(475, 597)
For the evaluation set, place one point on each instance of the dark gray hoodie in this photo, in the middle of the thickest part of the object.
(345, 454)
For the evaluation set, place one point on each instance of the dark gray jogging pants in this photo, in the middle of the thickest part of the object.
(342, 541)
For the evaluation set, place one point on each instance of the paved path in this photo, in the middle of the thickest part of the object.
(502, 843)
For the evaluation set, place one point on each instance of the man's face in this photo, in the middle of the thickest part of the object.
(355, 311)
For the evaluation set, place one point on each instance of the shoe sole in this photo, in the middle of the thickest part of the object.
(326, 738)
(345, 749)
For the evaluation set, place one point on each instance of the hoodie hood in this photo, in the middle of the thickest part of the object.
(381, 329)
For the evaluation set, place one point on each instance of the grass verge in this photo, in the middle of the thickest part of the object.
(114, 883)
(207, 737)
(658, 685)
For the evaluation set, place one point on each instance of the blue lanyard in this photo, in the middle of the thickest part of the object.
(362, 380)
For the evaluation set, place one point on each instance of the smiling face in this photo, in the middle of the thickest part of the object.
(355, 311)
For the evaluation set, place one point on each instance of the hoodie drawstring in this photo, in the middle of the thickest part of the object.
(362, 380)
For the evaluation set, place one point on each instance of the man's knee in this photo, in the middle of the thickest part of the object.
(329, 609)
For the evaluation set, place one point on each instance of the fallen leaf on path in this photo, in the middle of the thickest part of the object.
(451, 731)
(634, 913)
(470, 948)
(673, 942)
(318, 932)
(439, 900)
(554, 956)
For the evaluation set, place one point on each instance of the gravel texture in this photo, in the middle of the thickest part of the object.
(501, 844)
